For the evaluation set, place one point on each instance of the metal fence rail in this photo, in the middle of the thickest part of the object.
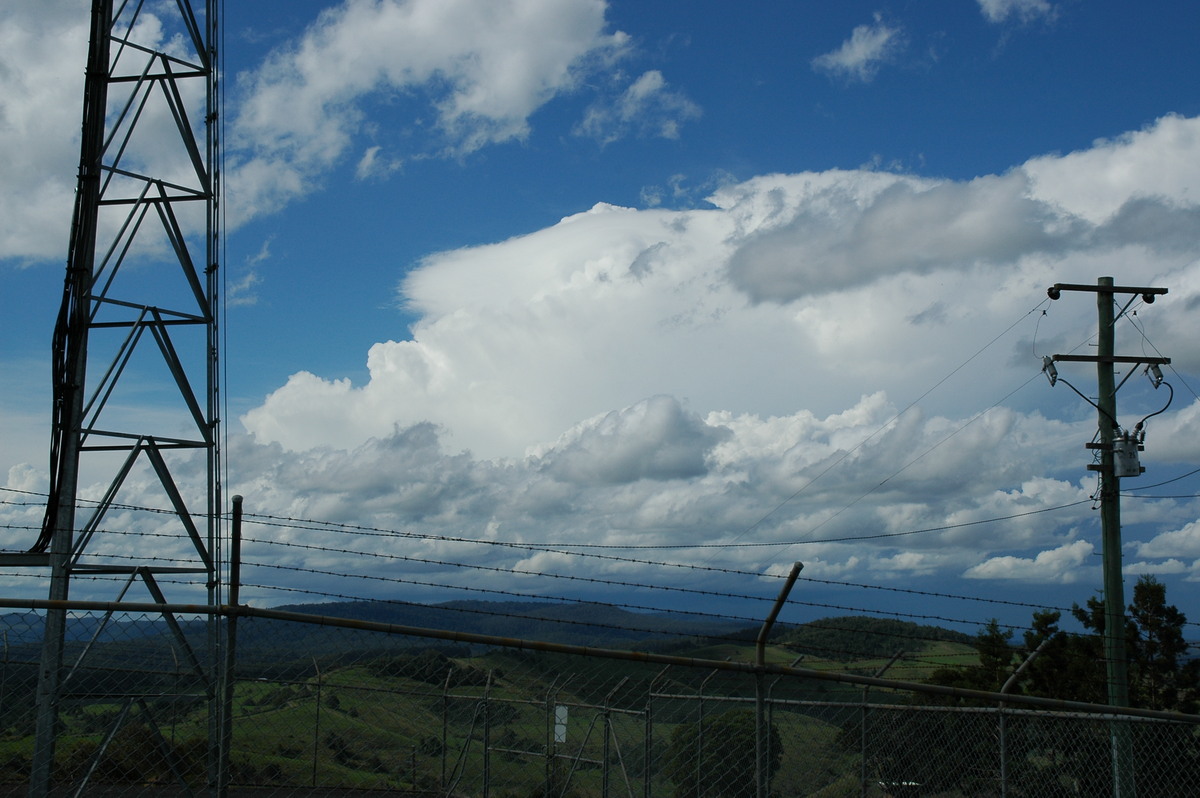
(327, 707)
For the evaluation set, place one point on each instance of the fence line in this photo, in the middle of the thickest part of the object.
(245, 611)
(319, 704)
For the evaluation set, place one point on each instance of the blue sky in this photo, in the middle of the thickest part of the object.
(648, 273)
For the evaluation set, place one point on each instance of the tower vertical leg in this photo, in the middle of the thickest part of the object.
(135, 201)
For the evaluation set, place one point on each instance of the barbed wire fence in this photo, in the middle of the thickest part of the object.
(309, 560)
(328, 706)
(298, 704)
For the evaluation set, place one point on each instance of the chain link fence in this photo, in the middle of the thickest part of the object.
(331, 709)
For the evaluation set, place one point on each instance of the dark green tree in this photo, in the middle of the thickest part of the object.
(1067, 666)
(716, 759)
(995, 662)
(1160, 675)
(1163, 676)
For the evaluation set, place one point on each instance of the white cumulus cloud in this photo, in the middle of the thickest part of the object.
(1182, 542)
(805, 290)
(485, 68)
(820, 364)
(1063, 564)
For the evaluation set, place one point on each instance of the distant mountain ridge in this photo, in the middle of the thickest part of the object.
(567, 622)
(263, 642)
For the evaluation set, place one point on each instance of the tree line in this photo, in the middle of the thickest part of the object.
(1070, 666)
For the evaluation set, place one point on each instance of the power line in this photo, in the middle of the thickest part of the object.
(319, 526)
(891, 421)
(568, 550)
(1165, 482)
(615, 583)
(879, 536)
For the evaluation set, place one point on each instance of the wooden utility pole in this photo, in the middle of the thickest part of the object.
(1118, 458)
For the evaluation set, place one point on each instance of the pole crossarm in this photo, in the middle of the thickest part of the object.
(1108, 289)
(1136, 360)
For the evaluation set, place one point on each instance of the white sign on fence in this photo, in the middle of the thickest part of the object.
(560, 724)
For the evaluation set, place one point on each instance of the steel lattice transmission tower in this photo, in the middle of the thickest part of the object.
(138, 328)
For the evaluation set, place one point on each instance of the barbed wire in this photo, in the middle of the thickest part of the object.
(619, 583)
(322, 526)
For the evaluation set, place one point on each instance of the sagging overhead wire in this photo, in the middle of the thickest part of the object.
(581, 550)
(889, 423)
(1193, 472)
(709, 593)
(843, 539)
(572, 549)
(1156, 379)
(1051, 372)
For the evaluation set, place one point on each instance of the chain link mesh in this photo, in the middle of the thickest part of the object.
(323, 710)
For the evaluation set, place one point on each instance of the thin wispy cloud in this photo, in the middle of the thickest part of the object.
(647, 108)
(997, 11)
(374, 165)
(860, 57)
(244, 290)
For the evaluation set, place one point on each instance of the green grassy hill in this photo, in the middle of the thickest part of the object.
(317, 705)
